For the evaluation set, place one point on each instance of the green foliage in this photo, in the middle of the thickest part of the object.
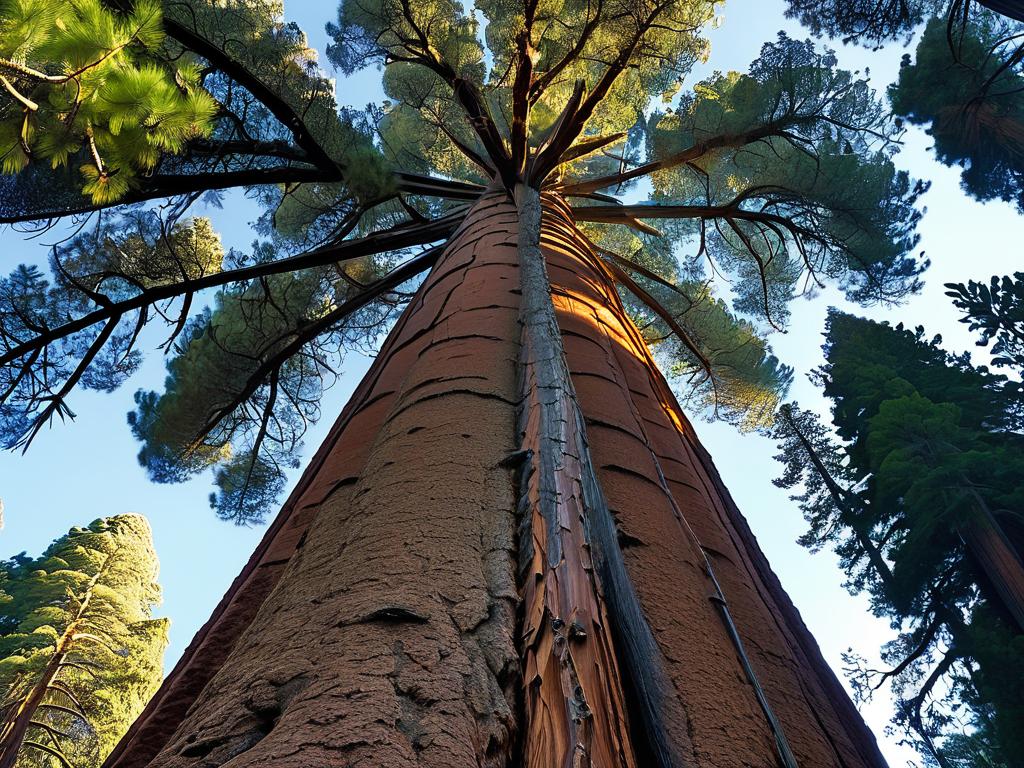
(426, 44)
(870, 22)
(997, 311)
(91, 593)
(218, 407)
(972, 103)
(86, 86)
(778, 181)
(119, 258)
(927, 444)
(819, 196)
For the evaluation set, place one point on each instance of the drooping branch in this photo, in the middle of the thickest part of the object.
(656, 306)
(643, 271)
(277, 106)
(311, 330)
(50, 751)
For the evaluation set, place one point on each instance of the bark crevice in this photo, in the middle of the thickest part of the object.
(582, 618)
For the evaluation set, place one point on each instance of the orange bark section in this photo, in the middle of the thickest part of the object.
(389, 639)
(659, 489)
(575, 712)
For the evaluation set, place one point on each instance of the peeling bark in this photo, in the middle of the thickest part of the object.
(575, 704)
(378, 624)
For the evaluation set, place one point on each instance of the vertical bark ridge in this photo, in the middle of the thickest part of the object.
(575, 710)
(333, 469)
(564, 227)
(614, 376)
(389, 640)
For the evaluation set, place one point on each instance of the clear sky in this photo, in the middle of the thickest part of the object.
(87, 468)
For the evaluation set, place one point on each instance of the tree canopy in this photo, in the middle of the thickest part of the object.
(80, 654)
(750, 181)
(963, 83)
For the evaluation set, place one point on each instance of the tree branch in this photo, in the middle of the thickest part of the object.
(402, 236)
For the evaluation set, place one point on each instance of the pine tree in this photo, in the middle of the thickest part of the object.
(963, 84)
(80, 654)
(915, 496)
(506, 547)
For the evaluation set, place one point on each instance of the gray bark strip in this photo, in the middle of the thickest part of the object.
(554, 441)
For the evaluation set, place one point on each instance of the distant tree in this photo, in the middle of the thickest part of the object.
(997, 311)
(916, 492)
(967, 88)
(80, 654)
(965, 83)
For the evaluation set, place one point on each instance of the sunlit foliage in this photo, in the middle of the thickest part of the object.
(86, 86)
(85, 603)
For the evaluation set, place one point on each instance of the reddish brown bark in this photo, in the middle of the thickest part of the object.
(575, 708)
(384, 633)
(997, 558)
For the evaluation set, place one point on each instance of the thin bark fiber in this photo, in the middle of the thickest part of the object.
(383, 622)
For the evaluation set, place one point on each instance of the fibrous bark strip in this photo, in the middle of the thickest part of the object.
(575, 706)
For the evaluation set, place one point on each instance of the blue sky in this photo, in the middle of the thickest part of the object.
(87, 468)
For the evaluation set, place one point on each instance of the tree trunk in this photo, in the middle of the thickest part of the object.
(383, 622)
(997, 558)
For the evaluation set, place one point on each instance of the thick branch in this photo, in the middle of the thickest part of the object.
(388, 240)
(688, 155)
(242, 75)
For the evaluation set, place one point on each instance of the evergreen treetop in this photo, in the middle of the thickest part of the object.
(963, 83)
(780, 180)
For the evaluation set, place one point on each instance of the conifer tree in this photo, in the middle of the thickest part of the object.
(963, 83)
(915, 493)
(80, 654)
(516, 409)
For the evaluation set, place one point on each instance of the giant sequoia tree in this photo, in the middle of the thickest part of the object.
(511, 548)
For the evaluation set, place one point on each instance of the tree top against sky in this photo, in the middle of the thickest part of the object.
(779, 180)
